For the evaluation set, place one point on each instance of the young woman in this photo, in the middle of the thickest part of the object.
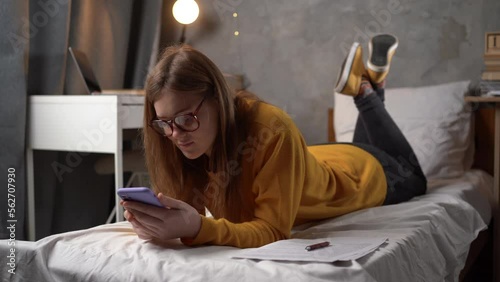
(248, 164)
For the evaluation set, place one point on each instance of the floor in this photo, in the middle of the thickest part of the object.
(482, 270)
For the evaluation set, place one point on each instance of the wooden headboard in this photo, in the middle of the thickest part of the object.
(484, 123)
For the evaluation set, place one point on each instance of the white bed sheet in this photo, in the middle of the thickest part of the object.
(429, 239)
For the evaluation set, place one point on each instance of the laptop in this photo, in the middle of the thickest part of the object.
(90, 81)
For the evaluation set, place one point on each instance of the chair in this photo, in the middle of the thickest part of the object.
(133, 162)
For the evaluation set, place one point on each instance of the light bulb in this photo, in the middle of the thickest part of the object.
(185, 11)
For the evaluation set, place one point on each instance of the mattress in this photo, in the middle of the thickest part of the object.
(429, 239)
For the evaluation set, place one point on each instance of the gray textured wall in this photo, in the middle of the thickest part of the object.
(290, 51)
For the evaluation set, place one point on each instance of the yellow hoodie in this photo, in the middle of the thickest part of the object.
(292, 183)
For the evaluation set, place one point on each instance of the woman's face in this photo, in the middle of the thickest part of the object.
(192, 144)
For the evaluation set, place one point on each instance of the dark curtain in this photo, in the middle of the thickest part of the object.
(120, 37)
(13, 71)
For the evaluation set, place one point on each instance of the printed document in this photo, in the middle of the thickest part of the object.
(340, 249)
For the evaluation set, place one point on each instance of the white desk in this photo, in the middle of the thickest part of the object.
(86, 124)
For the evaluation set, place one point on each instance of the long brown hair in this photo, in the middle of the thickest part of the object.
(184, 69)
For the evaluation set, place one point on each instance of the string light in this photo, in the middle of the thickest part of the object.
(236, 32)
(237, 37)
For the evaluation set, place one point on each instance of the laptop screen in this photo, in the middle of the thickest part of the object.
(85, 70)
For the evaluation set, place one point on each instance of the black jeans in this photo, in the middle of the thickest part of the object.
(377, 133)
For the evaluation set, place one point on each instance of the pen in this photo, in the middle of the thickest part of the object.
(317, 246)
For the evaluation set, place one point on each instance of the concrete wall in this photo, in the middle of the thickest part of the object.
(290, 51)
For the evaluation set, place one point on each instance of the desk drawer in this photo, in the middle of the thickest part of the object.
(84, 127)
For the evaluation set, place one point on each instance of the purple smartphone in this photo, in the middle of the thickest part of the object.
(139, 194)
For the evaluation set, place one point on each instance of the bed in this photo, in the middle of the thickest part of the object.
(429, 237)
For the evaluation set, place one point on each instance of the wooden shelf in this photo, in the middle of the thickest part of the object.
(483, 99)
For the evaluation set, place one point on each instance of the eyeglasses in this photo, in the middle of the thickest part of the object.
(188, 122)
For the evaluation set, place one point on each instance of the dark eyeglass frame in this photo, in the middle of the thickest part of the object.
(171, 122)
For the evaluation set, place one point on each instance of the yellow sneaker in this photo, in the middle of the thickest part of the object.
(381, 48)
(351, 72)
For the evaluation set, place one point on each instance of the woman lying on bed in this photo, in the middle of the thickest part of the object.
(248, 164)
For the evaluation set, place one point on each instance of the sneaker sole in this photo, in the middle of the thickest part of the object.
(379, 47)
(346, 70)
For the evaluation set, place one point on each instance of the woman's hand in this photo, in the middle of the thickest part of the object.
(177, 220)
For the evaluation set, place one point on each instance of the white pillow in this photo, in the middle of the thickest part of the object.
(434, 119)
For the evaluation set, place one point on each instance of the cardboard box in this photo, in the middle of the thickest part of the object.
(492, 43)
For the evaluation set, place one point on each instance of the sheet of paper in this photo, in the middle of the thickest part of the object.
(340, 249)
(493, 93)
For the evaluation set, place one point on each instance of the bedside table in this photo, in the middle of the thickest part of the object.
(495, 101)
